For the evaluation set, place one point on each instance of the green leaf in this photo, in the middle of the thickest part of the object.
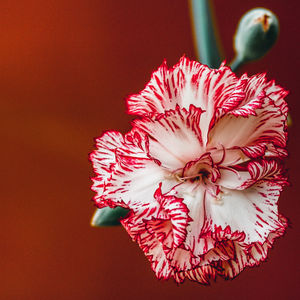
(205, 33)
(108, 216)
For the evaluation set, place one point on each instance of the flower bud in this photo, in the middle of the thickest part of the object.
(256, 34)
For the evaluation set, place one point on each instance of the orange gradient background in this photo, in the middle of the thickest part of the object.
(65, 69)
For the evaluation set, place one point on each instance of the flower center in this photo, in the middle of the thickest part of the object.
(202, 169)
(203, 174)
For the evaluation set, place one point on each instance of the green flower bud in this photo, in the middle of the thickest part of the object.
(256, 34)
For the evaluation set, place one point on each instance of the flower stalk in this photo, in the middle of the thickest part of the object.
(205, 33)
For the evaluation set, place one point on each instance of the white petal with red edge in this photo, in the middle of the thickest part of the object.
(258, 252)
(103, 157)
(134, 182)
(194, 198)
(265, 170)
(173, 209)
(277, 95)
(232, 267)
(187, 83)
(201, 274)
(153, 248)
(174, 138)
(104, 160)
(252, 211)
(252, 132)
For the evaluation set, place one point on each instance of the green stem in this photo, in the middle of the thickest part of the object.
(205, 34)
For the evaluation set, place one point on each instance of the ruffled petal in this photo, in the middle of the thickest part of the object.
(104, 159)
(173, 208)
(187, 83)
(253, 90)
(251, 134)
(232, 267)
(252, 212)
(267, 170)
(258, 84)
(159, 229)
(196, 241)
(201, 274)
(150, 243)
(133, 183)
(241, 256)
(240, 178)
(121, 164)
(258, 252)
(169, 134)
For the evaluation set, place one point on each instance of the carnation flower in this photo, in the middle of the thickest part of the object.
(200, 171)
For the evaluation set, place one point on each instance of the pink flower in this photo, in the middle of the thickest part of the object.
(201, 170)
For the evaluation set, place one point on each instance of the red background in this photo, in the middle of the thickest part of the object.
(65, 69)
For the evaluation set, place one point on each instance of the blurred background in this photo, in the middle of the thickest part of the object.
(65, 69)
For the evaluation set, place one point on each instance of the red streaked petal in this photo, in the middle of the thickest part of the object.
(201, 274)
(276, 94)
(233, 178)
(113, 150)
(133, 182)
(181, 259)
(252, 212)
(169, 134)
(253, 91)
(187, 83)
(276, 152)
(158, 93)
(258, 252)
(194, 199)
(176, 211)
(232, 267)
(249, 108)
(104, 160)
(251, 255)
(247, 134)
(152, 247)
(269, 170)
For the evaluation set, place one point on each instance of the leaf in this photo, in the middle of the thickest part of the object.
(108, 216)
